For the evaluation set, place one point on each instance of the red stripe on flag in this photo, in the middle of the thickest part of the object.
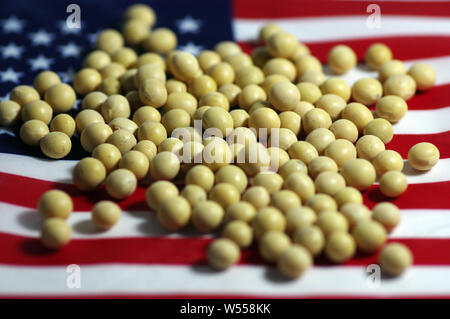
(402, 143)
(403, 47)
(29, 251)
(426, 196)
(436, 97)
(259, 9)
(417, 196)
(26, 191)
(425, 252)
(18, 250)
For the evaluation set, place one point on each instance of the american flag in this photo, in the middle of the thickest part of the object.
(137, 258)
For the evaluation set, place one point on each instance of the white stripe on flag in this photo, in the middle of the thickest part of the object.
(17, 220)
(423, 223)
(439, 173)
(345, 27)
(424, 122)
(240, 280)
(45, 170)
(24, 221)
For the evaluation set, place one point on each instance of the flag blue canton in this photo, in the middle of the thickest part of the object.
(34, 37)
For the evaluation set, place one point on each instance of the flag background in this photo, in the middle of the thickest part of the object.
(137, 258)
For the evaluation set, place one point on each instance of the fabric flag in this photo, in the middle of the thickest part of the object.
(137, 258)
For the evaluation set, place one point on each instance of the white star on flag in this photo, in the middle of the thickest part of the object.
(191, 48)
(77, 105)
(7, 131)
(5, 97)
(40, 62)
(10, 75)
(41, 37)
(12, 25)
(12, 51)
(67, 76)
(70, 50)
(188, 25)
(66, 30)
(93, 37)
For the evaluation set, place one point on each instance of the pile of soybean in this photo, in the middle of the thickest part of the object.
(295, 191)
